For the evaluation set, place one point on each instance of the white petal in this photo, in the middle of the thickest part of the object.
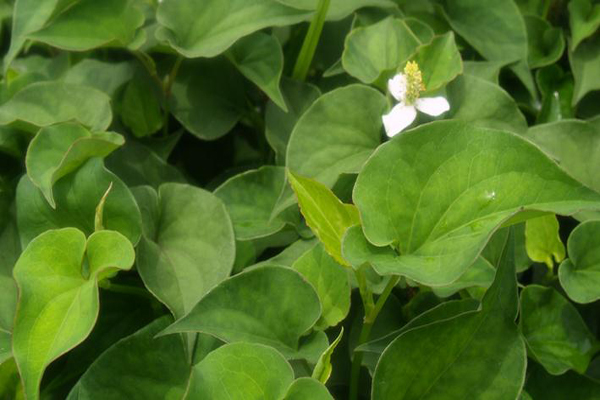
(397, 86)
(399, 118)
(433, 106)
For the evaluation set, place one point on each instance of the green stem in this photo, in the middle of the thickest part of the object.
(365, 333)
(167, 92)
(311, 40)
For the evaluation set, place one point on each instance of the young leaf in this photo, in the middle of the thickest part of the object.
(188, 245)
(47, 103)
(60, 149)
(483, 355)
(189, 25)
(58, 303)
(554, 331)
(546, 43)
(543, 240)
(241, 371)
(440, 61)
(283, 307)
(77, 195)
(580, 273)
(585, 65)
(323, 369)
(325, 214)
(438, 192)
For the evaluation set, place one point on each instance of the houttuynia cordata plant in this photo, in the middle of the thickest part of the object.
(300, 200)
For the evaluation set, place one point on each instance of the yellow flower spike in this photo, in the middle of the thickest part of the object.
(414, 82)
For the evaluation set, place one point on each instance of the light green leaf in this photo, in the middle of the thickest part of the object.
(104, 76)
(77, 195)
(575, 145)
(542, 240)
(307, 388)
(89, 24)
(60, 149)
(5, 347)
(10, 248)
(584, 19)
(58, 303)
(322, 370)
(325, 214)
(338, 9)
(188, 245)
(495, 28)
(330, 281)
(259, 58)
(377, 52)
(438, 192)
(206, 28)
(484, 104)
(148, 367)
(241, 371)
(47, 103)
(580, 273)
(546, 43)
(480, 274)
(208, 97)
(585, 65)
(140, 109)
(555, 333)
(278, 123)
(439, 61)
(483, 356)
(269, 305)
(337, 133)
(486, 70)
(250, 198)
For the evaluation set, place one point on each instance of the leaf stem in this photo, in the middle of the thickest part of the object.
(311, 40)
(365, 333)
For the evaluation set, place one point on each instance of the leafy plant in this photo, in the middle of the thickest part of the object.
(237, 199)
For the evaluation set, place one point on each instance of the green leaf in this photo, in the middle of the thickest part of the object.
(486, 70)
(330, 281)
(278, 123)
(495, 28)
(148, 367)
(338, 9)
(188, 245)
(580, 273)
(5, 346)
(210, 103)
(484, 104)
(541, 385)
(574, 144)
(250, 198)
(376, 52)
(283, 307)
(60, 149)
(104, 76)
(322, 370)
(89, 24)
(555, 333)
(337, 133)
(307, 388)
(58, 303)
(189, 25)
(585, 65)
(546, 43)
(325, 214)
(140, 109)
(439, 191)
(10, 248)
(77, 195)
(556, 88)
(259, 58)
(542, 240)
(439, 61)
(483, 355)
(241, 371)
(584, 19)
(47, 103)
(480, 274)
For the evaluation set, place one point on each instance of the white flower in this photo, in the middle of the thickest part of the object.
(405, 87)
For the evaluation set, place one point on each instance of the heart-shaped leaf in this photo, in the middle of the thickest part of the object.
(181, 259)
(58, 303)
(543, 240)
(584, 19)
(438, 192)
(60, 149)
(546, 43)
(585, 65)
(439, 61)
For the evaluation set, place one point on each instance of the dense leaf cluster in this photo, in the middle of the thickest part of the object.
(198, 200)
